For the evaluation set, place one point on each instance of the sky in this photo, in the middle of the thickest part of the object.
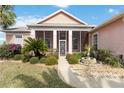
(92, 14)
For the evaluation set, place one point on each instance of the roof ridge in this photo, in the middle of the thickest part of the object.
(61, 10)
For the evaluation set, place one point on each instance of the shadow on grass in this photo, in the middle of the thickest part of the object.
(50, 77)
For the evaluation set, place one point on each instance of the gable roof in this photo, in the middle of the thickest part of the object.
(62, 11)
(108, 22)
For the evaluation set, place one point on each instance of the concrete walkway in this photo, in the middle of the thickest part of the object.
(70, 77)
(67, 75)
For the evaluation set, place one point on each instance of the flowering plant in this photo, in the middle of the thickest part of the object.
(15, 48)
(9, 50)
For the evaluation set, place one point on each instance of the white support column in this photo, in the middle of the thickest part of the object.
(80, 41)
(32, 34)
(54, 39)
(70, 42)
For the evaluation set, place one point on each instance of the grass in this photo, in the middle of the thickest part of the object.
(25, 75)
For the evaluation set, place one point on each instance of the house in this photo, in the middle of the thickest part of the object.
(61, 31)
(109, 35)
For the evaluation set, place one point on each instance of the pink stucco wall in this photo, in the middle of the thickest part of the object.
(111, 37)
(9, 38)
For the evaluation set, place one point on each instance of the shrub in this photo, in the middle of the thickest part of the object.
(84, 53)
(90, 50)
(17, 57)
(25, 58)
(51, 60)
(113, 61)
(15, 48)
(9, 50)
(93, 52)
(107, 58)
(102, 54)
(68, 56)
(42, 60)
(78, 55)
(34, 60)
(54, 54)
(38, 46)
(4, 53)
(73, 59)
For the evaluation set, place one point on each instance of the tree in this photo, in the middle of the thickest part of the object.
(7, 16)
(38, 46)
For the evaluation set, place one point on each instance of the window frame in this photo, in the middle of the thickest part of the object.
(97, 46)
(78, 41)
(15, 38)
(18, 35)
(48, 38)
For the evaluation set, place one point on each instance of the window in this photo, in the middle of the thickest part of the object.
(18, 39)
(18, 36)
(76, 41)
(62, 35)
(95, 41)
(49, 39)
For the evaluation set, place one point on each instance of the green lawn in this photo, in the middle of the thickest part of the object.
(25, 75)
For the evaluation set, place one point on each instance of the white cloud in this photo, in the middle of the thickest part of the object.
(62, 6)
(111, 10)
(24, 20)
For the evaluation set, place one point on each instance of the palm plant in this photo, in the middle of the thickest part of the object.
(38, 46)
(7, 16)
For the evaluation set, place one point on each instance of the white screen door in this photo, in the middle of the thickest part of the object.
(62, 47)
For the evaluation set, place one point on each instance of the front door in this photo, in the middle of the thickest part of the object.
(62, 47)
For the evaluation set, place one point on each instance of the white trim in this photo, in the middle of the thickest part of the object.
(61, 10)
(96, 33)
(54, 39)
(70, 42)
(65, 47)
(80, 41)
(32, 33)
(62, 29)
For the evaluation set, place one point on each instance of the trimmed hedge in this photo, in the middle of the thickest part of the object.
(42, 60)
(34, 60)
(54, 54)
(18, 57)
(68, 56)
(78, 55)
(72, 58)
(25, 58)
(51, 60)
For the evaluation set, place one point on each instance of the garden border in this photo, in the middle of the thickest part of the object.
(69, 76)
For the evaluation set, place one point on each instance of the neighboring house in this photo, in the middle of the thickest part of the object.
(61, 31)
(109, 35)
